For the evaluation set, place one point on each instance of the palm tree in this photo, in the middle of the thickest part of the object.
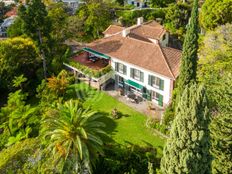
(74, 135)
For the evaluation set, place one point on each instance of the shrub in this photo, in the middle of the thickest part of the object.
(154, 123)
(115, 114)
(129, 158)
(90, 72)
(14, 157)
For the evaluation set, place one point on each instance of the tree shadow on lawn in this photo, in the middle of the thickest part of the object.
(82, 93)
(110, 126)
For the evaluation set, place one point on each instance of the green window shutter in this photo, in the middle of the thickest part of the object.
(124, 69)
(149, 79)
(141, 76)
(116, 66)
(160, 100)
(149, 95)
(161, 84)
(132, 73)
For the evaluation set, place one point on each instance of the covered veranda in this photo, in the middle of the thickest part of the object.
(92, 59)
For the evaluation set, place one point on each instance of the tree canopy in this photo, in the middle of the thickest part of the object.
(215, 13)
(215, 60)
(221, 143)
(18, 56)
(187, 149)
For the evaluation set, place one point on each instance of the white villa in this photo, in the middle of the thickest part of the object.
(138, 3)
(140, 61)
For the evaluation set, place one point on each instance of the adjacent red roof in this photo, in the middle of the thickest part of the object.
(150, 56)
(148, 30)
(12, 12)
(113, 29)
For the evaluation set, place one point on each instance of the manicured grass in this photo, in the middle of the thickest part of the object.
(129, 128)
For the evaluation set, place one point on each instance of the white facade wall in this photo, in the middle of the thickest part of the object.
(167, 81)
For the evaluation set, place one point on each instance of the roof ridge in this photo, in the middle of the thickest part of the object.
(111, 26)
(165, 58)
(151, 43)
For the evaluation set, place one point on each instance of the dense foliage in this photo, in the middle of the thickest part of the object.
(188, 66)
(221, 143)
(95, 17)
(176, 18)
(215, 13)
(119, 159)
(215, 67)
(187, 149)
(18, 56)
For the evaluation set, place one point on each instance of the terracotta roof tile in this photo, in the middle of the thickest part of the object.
(147, 55)
(12, 12)
(113, 29)
(173, 57)
(149, 31)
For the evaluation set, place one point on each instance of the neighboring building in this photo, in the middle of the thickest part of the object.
(72, 4)
(140, 61)
(5, 25)
(138, 3)
(8, 2)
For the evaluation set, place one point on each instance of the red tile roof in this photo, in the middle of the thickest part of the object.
(12, 12)
(113, 29)
(150, 56)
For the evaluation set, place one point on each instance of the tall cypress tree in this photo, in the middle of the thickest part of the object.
(188, 66)
(221, 143)
(187, 149)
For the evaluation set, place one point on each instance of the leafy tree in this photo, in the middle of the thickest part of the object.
(16, 29)
(128, 158)
(57, 14)
(176, 18)
(96, 16)
(18, 56)
(36, 25)
(14, 158)
(161, 3)
(58, 84)
(18, 81)
(215, 59)
(74, 136)
(187, 149)
(215, 13)
(221, 143)
(20, 119)
(188, 66)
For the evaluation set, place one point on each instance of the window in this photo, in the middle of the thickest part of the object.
(164, 36)
(158, 97)
(120, 79)
(156, 82)
(119, 67)
(136, 74)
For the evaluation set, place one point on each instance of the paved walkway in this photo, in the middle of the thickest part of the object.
(140, 107)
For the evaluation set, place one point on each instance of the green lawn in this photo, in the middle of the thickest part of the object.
(129, 128)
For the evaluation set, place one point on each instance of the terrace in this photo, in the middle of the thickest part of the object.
(91, 66)
(90, 61)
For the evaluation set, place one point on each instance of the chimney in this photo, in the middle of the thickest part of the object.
(125, 32)
(140, 21)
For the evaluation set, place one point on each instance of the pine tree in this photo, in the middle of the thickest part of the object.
(187, 149)
(189, 55)
(221, 143)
